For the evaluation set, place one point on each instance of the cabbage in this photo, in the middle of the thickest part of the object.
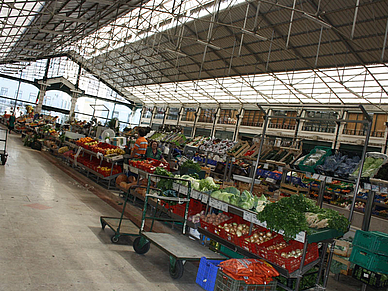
(232, 190)
(224, 196)
(245, 196)
(208, 184)
(246, 204)
(216, 194)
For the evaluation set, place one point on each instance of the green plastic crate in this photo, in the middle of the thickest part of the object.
(229, 253)
(371, 261)
(311, 169)
(227, 283)
(372, 241)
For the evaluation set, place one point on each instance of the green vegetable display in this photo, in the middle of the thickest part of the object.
(288, 214)
(191, 165)
(371, 164)
(164, 184)
(208, 185)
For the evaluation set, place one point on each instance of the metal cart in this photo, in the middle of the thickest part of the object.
(120, 225)
(179, 247)
(3, 145)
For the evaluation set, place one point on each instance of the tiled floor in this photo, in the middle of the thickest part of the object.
(51, 238)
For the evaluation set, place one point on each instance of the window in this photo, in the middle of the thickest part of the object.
(207, 115)
(4, 91)
(284, 123)
(378, 125)
(228, 116)
(173, 114)
(187, 131)
(32, 97)
(253, 118)
(326, 125)
(189, 114)
(353, 128)
(202, 131)
(18, 95)
(160, 111)
(224, 134)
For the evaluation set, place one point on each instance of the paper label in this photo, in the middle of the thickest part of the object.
(316, 176)
(223, 206)
(247, 216)
(308, 175)
(300, 237)
(265, 166)
(375, 188)
(329, 180)
(183, 189)
(384, 190)
(194, 194)
(205, 198)
(321, 178)
(213, 203)
(175, 186)
(280, 169)
(367, 186)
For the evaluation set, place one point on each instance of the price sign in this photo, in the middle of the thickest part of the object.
(258, 222)
(265, 166)
(213, 202)
(175, 186)
(194, 194)
(300, 237)
(375, 188)
(322, 178)
(280, 169)
(329, 180)
(233, 160)
(270, 180)
(205, 198)
(247, 216)
(367, 186)
(315, 176)
(383, 190)
(183, 189)
(308, 175)
(223, 206)
(134, 170)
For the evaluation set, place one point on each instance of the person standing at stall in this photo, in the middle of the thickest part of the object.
(11, 122)
(154, 153)
(140, 147)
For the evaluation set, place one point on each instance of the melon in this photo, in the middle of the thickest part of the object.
(121, 178)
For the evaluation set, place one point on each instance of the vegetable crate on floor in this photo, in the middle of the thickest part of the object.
(227, 283)
(371, 278)
(207, 273)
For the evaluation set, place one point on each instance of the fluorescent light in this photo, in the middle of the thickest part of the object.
(175, 52)
(208, 44)
(62, 17)
(316, 20)
(253, 34)
(54, 31)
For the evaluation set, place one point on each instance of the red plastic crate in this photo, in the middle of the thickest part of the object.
(293, 264)
(194, 208)
(262, 251)
(211, 227)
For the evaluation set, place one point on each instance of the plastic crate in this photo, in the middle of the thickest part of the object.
(372, 241)
(369, 260)
(227, 283)
(262, 249)
(293, 264)
(368, 277)
(311, 169)
(230, 253)
(194, 208)
(207, 273)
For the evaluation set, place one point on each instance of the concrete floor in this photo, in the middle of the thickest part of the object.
(51, 237)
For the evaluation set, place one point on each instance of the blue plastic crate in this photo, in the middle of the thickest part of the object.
(207, 273)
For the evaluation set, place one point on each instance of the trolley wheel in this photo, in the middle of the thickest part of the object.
(176, 268)
(114, 239)
(3, 159)
(140, 247)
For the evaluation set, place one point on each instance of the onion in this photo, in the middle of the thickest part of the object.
(255, 235)
(238, 233)
(269, 234)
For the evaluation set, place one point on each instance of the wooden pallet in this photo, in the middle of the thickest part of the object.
(291, 190)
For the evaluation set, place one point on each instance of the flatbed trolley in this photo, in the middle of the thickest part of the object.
(179, 247)
(120, 225)
(3, 145)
